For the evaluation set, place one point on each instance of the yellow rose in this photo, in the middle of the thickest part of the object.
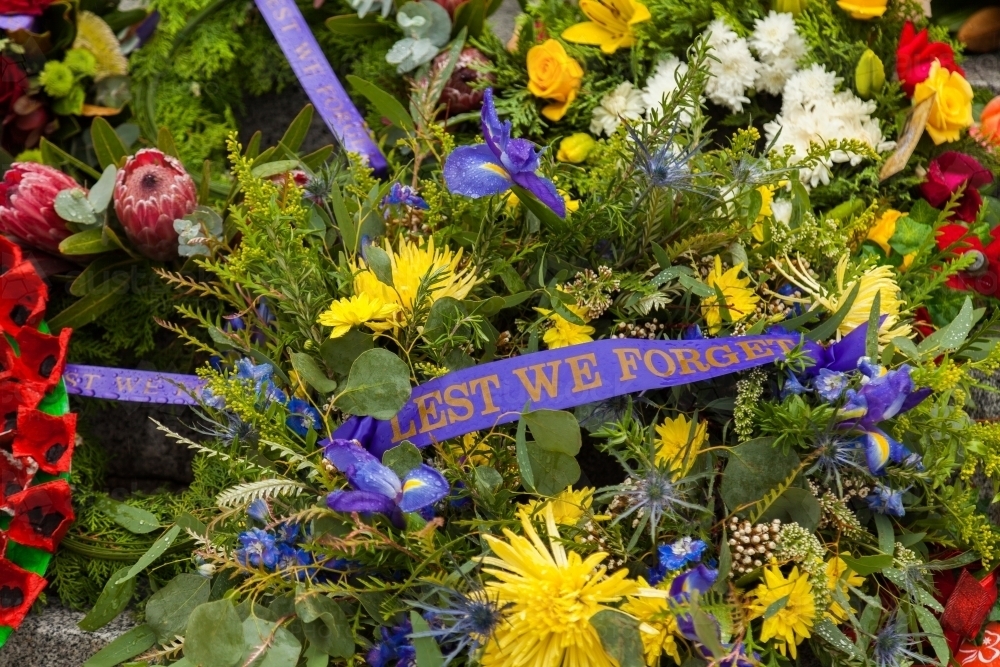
(553, 75)
(951, 110)
(575, 148)
(863, 9)
(884, 229)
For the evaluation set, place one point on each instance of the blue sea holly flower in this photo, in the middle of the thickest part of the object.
(463, 623)
(376, 488)
(884, 500)
(830, 385)
(493, 167)
(404, 195)
(303, 417)
(893, 646)
(680, 553)
(258, 549)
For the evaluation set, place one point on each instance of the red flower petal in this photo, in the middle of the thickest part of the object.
(42, 357)
(10, 255)
(42, 515)
(22, 298)
(47, 439)
(15, 476)
(19, 589)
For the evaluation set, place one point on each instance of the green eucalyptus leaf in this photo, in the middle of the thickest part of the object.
(554, 430)
(133, 519)
(402, 458)
(73, 205)
(113, 600)
(619, 634)
(378, 385)
(427, 649)
(214, 636)
(379, 262)
(100, 194)
(167, 611)
(159, 547)
(132, 643)
(308, 369)
(274, 646)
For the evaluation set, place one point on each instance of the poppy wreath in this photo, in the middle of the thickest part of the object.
(37, 435)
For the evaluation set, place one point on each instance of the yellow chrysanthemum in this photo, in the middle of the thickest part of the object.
(672, 445)
(564, 333)
(96, 36)
(410, 264)
(657, 626)
(766, 196)
(548, 596)
(610, 24)
(793, 622)
(740, 300)
(884, 228)
(471, 451)
(876, 280)
(863, 10)
(836, 578)
(568, 506)
(355, 311)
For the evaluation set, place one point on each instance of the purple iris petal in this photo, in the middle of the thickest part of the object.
(475, 172)
(520, 156)
(914, 399)
(345, 454)
(374, 477)
(361, 429)
(698, 579)
(423, 486)
(880, 448)
(885, 395)
(544, 189)
(360, 501)
(843, 356)
(495, 133)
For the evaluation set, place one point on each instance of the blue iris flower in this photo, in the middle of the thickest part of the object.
(830, 385)
(258, 549)
(493, 167)
(884, 500)
(303, 417)
(376, 488)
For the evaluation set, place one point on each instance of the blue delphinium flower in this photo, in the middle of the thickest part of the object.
(404, 195)
(680, 553)
(884, 500)
(395, 647)
(491, 168)
(792, 387)
(303, 417)
(293, 557)
(830, 385)
(692, 332)
(462, 623)
(892, 645)
(376, 488)
(259, 511)
(261, 376)
(258, 549)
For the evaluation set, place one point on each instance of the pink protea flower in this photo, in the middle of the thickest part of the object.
(151, 191)
(27, 194)
(458, 95)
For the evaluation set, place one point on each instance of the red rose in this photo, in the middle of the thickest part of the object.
(915, 55)
(984, 274)
(32, 7)
(950, 171)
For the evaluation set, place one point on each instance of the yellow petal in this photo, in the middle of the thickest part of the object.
(641, 13)
(340, 330)
(588, 33)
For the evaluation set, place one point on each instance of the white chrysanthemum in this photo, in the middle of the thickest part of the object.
(661, 85)
(771, 33)
(625, 101)
(781, 209)
(773, 75)
(719, 33)
(732, 72)
(807, 86)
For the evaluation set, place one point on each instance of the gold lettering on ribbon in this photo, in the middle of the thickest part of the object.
(453, 401)
(128, 382)
(396, 435)
(427, 410)
(541, 381)
(729, 359)
(150, 388)
(90, 379)
(483, 385)
(628, 365)
(687, 357)
(582, 373)
(649, 359)
(755, 349)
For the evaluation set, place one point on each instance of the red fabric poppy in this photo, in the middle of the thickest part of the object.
(984, 275)
(46, 439)
(15, 476)
(915, 55)
(42, 515)
(947, 173)
(19, 589)
(22, 298)
(31, 7)
(969, 604)
(10, 255)
(986, 654)
(41, 357)
(14, 395)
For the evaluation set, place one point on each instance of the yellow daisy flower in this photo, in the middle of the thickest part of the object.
(568, 506)
(355, 311)
(410, 264)
(610, 24)
(548, 596)
(564, 333)
(657, 628)
(740, 300)
(767, 196)
(672, 446)
(837, 579)
(792, 623)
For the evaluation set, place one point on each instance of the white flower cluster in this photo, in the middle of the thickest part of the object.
(662, 83)
(779, 47)
(732, 68)
(625, 101)
(812, 111)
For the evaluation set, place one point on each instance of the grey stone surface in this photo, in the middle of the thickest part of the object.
(983, 71)
(502, 20)
(51, 639)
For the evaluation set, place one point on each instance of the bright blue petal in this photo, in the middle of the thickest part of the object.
(346, 454)
(878, 447)
(359, 501)
(520, 156)
(544, 189)
(374, 477)
(475, 172)
(423, 486)
(495, 133)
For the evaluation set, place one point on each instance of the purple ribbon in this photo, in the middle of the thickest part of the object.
(317, 78)
(12, 22)
(120, 384)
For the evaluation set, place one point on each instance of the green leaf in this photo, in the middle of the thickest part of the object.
(298, 129)
(402, 458)
(269, 169)
(487, 481)
(307, 368)
(384, 103)
(133, 519)
(100, 194)
(88, 278)
(73, 205)
(97, 302)
(620, 637)
(57, 157)
(754, 468)
(318, 157)
(132, 643)
(165, 142)
(795, 505)
(697, 287)
(545, 214)
(828, 328)
(907, 347)
(521, 453)
(168, 609)
(339, 354)
(159, 547)
(871, 335)
(935, 635)
(470, 16)
(89, 242)
(707, 631)
(835, 638)
(282, 647)
(214, 635)
(428, 651)
(378, 386)
(910, 235)
(445, 312)
(351, 25)
(325, 624)
(108, 147)
(951, 336)
(721, 584)
(345, 223)
(886, 535)
(552, 471)
(379, 262)
(554, 430)
(113, 600)
(775, 607)
(867, 565)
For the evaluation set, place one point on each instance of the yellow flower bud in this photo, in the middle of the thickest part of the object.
(793, 7)
(869, 76)
(575, 148)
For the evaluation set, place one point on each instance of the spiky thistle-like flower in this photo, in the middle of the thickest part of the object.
(667, 166)
(651, 494)
(835, 454)
(464, 621)
(892, 645)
